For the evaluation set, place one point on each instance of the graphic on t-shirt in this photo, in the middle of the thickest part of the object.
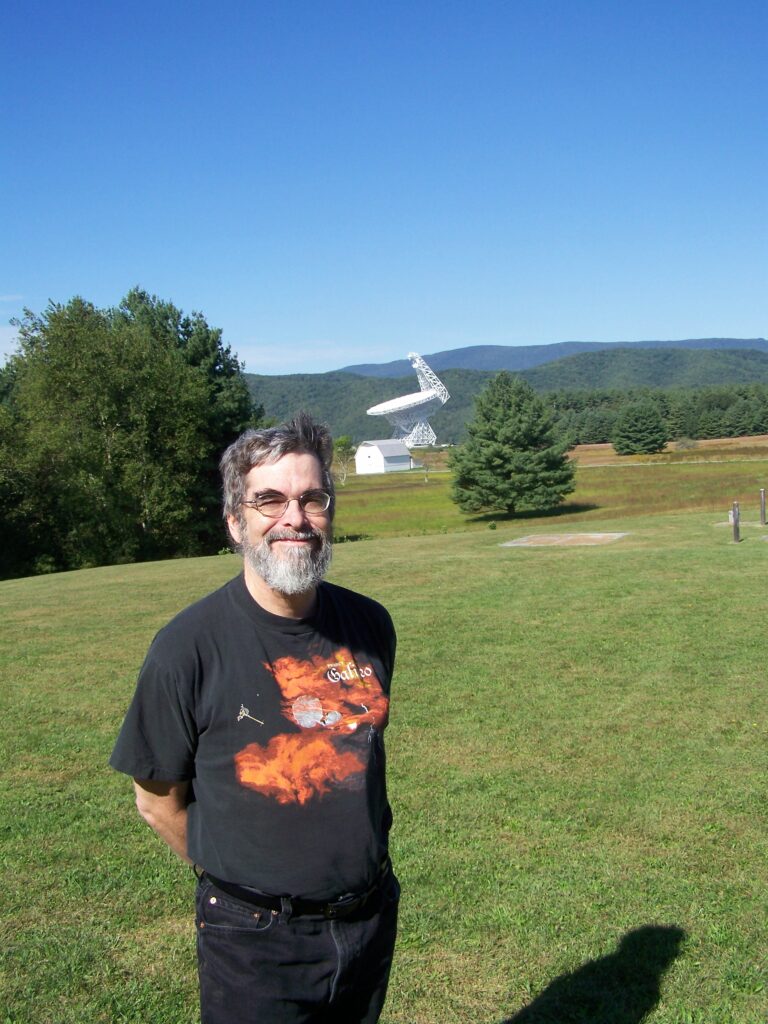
(245, 713)
(294, 767)
(328, 698)
(331, 693)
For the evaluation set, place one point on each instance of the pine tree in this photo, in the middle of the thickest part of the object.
(510, 461)
(640, 429)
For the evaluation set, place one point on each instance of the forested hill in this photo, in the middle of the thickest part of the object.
(524, 357)
(625, 368)
(340, 399)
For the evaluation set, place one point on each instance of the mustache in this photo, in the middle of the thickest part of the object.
(286, 534)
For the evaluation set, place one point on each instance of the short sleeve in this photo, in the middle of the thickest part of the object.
(390, 643)
(158, 738)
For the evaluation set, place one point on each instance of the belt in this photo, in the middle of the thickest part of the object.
(298, 906)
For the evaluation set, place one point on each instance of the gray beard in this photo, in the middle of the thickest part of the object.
(297, 570)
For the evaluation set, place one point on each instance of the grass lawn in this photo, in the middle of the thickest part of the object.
(577, 765)
(402, 504)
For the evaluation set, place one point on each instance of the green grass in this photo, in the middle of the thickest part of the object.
(398, 505)
(577, 751)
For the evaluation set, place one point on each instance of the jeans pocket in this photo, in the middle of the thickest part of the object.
(217, 911)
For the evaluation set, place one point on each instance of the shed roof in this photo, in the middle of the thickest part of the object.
(388, 448)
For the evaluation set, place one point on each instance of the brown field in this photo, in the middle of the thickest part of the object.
(724, 449)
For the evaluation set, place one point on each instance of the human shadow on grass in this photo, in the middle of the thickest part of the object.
(572, 509)
(621, 988)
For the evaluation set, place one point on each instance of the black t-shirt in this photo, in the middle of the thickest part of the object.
(277, 723)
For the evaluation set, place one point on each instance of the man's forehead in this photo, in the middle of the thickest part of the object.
(301, 468)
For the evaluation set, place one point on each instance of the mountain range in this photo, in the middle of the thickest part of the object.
(525, 357)
(341, 397)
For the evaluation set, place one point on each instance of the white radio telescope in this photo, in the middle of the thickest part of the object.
(409, 414)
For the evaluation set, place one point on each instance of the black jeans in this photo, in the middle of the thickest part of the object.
(266, 967)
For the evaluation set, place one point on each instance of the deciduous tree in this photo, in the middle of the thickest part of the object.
(229, 405)
(112, 422)
(343, 456)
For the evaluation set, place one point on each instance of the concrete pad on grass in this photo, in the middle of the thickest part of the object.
(548, 540)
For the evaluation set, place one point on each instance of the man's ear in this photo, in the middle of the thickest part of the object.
(234, 529)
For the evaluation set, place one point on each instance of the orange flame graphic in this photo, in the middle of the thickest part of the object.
(295, 767)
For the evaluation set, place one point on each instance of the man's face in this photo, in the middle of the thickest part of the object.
(290, 553)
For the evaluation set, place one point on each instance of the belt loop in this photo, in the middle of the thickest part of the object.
(287, 908)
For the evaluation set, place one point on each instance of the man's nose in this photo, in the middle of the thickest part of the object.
(294, 514)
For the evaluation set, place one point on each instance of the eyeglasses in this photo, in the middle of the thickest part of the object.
(272, 503)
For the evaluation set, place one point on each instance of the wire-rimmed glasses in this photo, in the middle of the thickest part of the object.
(273, 503)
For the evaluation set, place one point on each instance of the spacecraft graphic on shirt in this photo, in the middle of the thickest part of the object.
(338, 704)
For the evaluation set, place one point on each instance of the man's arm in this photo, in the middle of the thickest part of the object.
(163, 805)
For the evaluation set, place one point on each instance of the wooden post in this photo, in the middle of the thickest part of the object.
(736, 524)
(762, 506)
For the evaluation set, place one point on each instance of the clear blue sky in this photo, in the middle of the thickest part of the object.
(339, 182)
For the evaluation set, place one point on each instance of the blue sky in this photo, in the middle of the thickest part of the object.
(339, 182)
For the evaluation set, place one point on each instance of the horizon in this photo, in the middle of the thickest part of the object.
(666, 342)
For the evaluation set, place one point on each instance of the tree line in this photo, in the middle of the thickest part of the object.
(728, 410)
(112, 422)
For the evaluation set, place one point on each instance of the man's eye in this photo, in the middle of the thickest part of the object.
(314, 501)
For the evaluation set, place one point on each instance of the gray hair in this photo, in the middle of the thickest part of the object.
(269, 445)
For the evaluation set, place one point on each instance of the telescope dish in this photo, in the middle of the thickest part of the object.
(409, 414)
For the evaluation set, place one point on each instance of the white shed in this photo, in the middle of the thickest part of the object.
(382, 457)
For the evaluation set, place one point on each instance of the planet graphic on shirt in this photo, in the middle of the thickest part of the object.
(308, 712)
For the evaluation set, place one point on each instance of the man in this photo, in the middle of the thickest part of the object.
(255, 743)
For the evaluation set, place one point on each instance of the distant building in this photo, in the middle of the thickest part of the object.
(382, 457)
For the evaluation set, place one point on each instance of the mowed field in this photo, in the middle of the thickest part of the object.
(708, 478)
(577, 764)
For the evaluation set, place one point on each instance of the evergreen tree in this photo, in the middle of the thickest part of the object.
(712, 424)
(596, 426)
(510, 461)
(680, 421)
(743, 418)
(639, 429)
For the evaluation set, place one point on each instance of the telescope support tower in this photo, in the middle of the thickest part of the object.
(409, 415)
